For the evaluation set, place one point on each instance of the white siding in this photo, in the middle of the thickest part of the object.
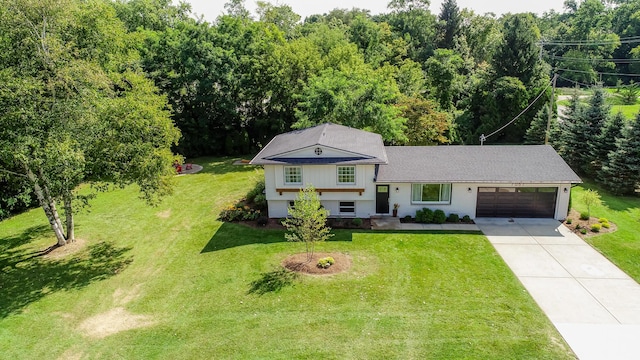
(321, 177)
(364, 208)
(463, 201)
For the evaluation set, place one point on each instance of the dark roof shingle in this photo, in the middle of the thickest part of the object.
(363, 147)
(468, 163)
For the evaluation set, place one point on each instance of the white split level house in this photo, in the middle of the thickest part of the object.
(357, 176)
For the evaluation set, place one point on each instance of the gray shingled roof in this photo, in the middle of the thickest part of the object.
(466, 163)
(364, 147)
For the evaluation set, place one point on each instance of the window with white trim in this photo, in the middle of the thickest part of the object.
(347, 175)
(431, 193)
(347, 208)
(293, 175)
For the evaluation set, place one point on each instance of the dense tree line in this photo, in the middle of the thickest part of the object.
(413, 76)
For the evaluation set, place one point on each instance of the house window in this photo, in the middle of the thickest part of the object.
(431, 193)
(347, 207)
(292, 175)
(347, 175)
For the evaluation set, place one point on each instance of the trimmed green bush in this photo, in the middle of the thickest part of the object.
(569, 221)
(454, 218)
(583, 231)
(258, 189)
(596, 227)
(260, 201)
(326, 262)
(356, 221)
(439, 217)
(603, 220)
(606, 225)
(584, 216)
(408, 218)
(424, 216)
(466, 218)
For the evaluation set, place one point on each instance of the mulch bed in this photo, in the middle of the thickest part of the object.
(586, 224)
(299, 263)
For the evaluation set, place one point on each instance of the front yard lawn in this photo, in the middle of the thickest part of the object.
(623, 246)
(174, 283)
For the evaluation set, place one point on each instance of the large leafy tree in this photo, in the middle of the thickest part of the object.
(425, 124)
(75, 109)
(355, 96)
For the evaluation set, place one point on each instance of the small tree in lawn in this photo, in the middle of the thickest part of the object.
(308, 220)
(591, 198)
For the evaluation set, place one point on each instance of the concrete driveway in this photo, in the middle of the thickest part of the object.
(592, 303)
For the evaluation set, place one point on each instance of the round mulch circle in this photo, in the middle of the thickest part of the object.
(299, 263)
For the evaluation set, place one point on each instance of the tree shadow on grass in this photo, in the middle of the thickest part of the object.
(272, 281)
(25, 278)
(230, 235)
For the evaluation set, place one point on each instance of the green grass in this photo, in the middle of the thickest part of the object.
(406, 296)
(622, 247)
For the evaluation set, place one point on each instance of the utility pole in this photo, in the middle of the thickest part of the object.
(553, 96)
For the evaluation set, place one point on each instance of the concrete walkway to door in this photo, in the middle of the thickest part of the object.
(592, 303)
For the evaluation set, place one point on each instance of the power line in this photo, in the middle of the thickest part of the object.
(483, 137)
(627, 40)
(598, 72)
(617, 61)
(575, 82)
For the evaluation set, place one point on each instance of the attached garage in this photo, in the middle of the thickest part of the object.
(518, 202)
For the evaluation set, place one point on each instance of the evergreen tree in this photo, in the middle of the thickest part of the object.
(605, 142)
(590, 125)
(518, 55)
(568, 139)
(537, 132)
(621, 173)
(450, 21)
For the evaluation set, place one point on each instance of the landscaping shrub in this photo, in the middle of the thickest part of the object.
(569, 221)
(260, 201)
(454, 218)
(408, 218)
(596, 227)
(258, 189)
(424, 216)
(237, 213)
(578, 226)
(466, 218)
(584, 216)
(262, 221)
(356, 221)
(603, 220)
(606, 225)
(439, 217)
(325, 262)
(583, 231)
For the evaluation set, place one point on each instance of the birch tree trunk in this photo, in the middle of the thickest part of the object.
(68, 211)
(51, 213)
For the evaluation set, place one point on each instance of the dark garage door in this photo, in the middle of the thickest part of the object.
(525, 202)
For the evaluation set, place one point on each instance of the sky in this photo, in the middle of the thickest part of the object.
(211, 9)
